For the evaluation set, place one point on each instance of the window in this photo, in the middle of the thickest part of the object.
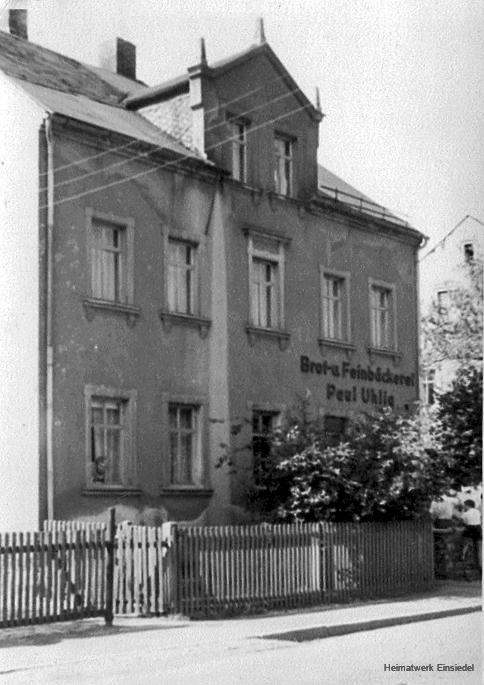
(265, 293)
(335, 429)
(382, 303)
(283, 171)
(110, 429)
(239, 150)
(266, 278)
(443, 301)
(182, 277)
(335, 306)
(429, 387)
(109, 276)
(263, 425)
(183, 421)
(468, 252)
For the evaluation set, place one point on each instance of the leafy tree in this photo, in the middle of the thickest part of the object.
(455, 332)
(459, 431)
(382, 471)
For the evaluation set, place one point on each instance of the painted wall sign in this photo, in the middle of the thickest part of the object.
(357, 393)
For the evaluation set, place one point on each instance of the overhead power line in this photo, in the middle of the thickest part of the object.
(141, 155)
(212, 110)
(447, 235)
(171, 163)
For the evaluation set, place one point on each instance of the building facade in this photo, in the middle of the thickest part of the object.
(444, 269)
(180, 265)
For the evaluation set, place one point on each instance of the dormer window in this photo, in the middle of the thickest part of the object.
(283, 169)
(239, 150)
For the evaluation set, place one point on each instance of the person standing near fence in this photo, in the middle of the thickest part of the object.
(473, 527)
(443, 511)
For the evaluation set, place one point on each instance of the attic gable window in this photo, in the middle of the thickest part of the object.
(239, 149)
(283, 167)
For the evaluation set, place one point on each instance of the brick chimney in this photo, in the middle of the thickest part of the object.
(17, 23)
(119, 56)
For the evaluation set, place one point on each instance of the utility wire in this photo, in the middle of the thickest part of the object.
(161, 147)
(212, 110)
(447, 235)
(171, 163)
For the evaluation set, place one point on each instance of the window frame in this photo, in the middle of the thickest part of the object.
(128, 467)
(239, 148)
(192, 269)
(469, 254)
(127, 225)
(344, 278)
(429, 387)
(287, 158)
(276, 418)
(327, 433)
(199, 468)
(374, 285)
(276, 257)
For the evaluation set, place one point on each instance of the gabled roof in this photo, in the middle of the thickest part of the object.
(180, 84)
(115, 119)
(29, 62)
(87, 94)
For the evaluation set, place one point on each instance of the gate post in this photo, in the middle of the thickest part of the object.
(110, 549)
(170, 570)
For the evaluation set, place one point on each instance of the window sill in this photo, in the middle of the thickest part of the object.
(331, 343)
(186, 491)
(91, 305)
(106, 490)
(384, 352)
(170, 319)
(254, 332)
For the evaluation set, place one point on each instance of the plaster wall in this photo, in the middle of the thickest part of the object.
(265, 110)
(20, 121)
(264, 376)
(155, 360)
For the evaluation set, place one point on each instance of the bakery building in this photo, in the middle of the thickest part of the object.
(179, 269)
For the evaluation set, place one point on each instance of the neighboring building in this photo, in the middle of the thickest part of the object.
(444, 268)
(175, 270)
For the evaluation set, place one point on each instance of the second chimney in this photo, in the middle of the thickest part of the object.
(17, 23)
(119, 56)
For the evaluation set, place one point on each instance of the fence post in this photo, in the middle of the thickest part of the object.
(110, 549)
(170, 570)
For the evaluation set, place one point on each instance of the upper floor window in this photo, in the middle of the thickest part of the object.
(468, 252)
(111, 241)
(266, 282)
(382, 316)
(335, 306)
(182, 277)
(109, 261)
(110, 436)
(184, 430)
(239, 150)
(283, 169)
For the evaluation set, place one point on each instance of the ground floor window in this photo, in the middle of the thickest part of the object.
(263, 425)
(110, 436)
(335, 429)
(184, 427)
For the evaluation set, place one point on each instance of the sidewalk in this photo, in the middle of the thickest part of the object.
(41, 646)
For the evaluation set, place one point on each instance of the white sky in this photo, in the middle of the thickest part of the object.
(401, 81)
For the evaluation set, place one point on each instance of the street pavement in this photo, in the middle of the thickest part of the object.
(277, 648)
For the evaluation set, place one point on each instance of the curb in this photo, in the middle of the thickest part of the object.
(321, 632)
